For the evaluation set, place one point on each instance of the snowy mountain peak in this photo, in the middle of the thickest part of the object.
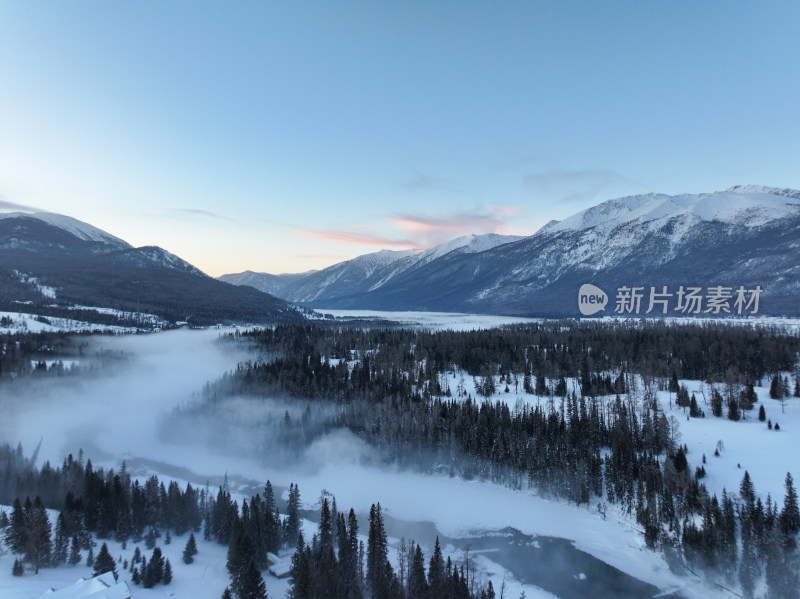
(153, 255)
(762, 189)
(749, 205)
(468, 244)
(73, 226)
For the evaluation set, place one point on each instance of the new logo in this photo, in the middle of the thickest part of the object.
(591, 299)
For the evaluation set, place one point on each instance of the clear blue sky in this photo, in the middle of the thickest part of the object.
(285, 136)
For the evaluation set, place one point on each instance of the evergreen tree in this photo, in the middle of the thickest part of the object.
(153, 572)
(74, 552)
(18, 569)
(776, 387)
(61, 545)
(716, 403)
(694, 409)
(104, 562)
(325, 525)
(252, 584)
(762, 413)
(167, 578)
(38, 545)
(16, 533)
(240, 553)
(90, 557)
(272, 524)
(417, 584)
(733, 409)
(226, 594)
(300, 574)
(377, 553)
(190, 550)
(790, 515)
(748, 565)
(292, 516)
(436, 571)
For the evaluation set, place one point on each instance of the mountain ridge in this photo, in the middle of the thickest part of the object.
(51, 263)
(745, 235)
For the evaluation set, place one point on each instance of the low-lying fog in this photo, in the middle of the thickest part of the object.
(128, 413)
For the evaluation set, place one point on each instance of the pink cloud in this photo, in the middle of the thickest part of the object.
(365, 238)
(430, 230)
(422, 230)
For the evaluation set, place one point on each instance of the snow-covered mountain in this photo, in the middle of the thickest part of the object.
(50, 263)
(371, 272)
(263, 281)
(73, 226)
(743, 236)
(44, 231)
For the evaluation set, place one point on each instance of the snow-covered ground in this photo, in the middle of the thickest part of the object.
(433, 320)
(120, 416)
(20, 322)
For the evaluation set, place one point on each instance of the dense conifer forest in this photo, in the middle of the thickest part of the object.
(596, 436)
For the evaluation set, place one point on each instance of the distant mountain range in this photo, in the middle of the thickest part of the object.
(722, 250)
(746, 237)
(55, 265)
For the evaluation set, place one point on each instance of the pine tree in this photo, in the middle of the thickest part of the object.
(153, 572)
(776, 387)
(90, 557)
(74, 552)
(300, 575)
(61, 545)
(733, 409)
(226, 594)
(436, 572)
(748, 565)
(38, 546)
(377, 552)
(694, 409)
(716, 403)
(272, 533)
(18, 569)
(252, 585)
(240, 552)
(325, 525)
(417, 584)
(790, 515)
(17, 532)
(762, 413)
(167, 578)
(190, 550)
(293, 516)
(104, 562)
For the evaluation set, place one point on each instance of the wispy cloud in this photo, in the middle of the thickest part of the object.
(367, 237)
(575, 185)
(322, 256)
(410, 230)
(420, 182)
(6, 205)
(196, 212)
(430, 230)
